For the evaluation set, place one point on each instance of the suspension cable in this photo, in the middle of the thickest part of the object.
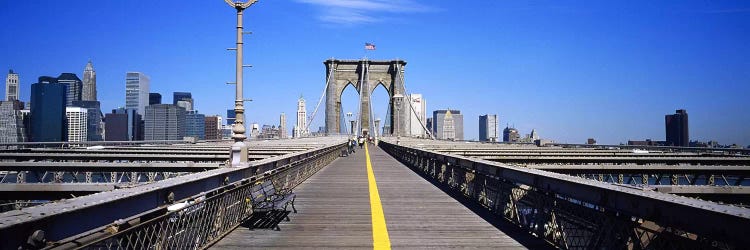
(408, 96)
(328, 80)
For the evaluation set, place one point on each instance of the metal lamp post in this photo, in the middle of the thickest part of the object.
(238, 156)
(377, 132)
(377, 126)
(349, 117)
(397, 101)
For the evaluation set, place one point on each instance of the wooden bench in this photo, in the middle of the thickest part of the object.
(270, 205)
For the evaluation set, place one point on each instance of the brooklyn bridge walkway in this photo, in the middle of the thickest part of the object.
(339, 207)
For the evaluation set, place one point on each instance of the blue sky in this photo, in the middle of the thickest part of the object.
(570, 69)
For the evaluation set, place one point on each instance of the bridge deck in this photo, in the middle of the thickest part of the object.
(334, 212)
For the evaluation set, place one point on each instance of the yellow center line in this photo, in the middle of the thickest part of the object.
(380, 237)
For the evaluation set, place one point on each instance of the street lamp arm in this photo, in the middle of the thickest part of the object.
(240, 5)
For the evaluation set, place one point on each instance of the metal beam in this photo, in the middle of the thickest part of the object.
(641, 169)
(107, 167)
(66, 218)
(706, 219)
(47, 191)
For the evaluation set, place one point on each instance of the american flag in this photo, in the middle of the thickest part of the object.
(369, 46)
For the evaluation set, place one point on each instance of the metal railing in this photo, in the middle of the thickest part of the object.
(574, 213)
(200, 221)
(143, 209)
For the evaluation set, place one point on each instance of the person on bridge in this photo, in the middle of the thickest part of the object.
(361, 142)
(351, 144)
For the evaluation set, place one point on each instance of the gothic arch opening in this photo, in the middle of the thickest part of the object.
(349, 103)
(380, 103)
(365, 75)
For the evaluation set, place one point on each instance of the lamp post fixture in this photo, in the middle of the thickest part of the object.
(349, 118)
(397, 101)
(354, 125)
(377, 126)
(238, 156)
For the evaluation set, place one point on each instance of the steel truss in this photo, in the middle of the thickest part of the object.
(212, 204)
(572, 215)
(206, 218)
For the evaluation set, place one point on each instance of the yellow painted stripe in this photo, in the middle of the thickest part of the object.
(380, 237)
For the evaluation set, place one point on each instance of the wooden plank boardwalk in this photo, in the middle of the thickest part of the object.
(334, 212)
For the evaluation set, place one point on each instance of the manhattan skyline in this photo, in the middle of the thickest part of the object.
(569, 70)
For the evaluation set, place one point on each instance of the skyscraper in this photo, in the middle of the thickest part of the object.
(455, 131)
(429, 125)
(213, 127)
(511, 134)
(154, 98)
(534, 135)
(449, 127)
(48, 111)
(184, 100)
(12, 127)
(94, 127)
(77, 119)
(11, 86)
(137, 86)
(164, 122)
(300, 129)
(231, 116)
(677, 128)
(74, 87)
(282, 126)
(124, 125)
(419, 116)
(195, 124)
(89, 83)
(488, 128)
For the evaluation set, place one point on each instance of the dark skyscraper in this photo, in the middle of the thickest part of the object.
(195, 124)
(184, 100)
(74, 86)
(154, 98)
(48, 111)
(231, 116)
(124, 125)
(181, 96)
(677, 128)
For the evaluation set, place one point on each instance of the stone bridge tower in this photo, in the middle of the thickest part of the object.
(365, 75)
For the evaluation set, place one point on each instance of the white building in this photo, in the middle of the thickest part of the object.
(300, 129)
(488, 128)
(254, 130)
(137, 87)
(187, 105)
(282, 126)
(11, 86)
(449, 127)
(419, 116)
(77, 123)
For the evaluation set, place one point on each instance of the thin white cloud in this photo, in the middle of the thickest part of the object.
(352, 12)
